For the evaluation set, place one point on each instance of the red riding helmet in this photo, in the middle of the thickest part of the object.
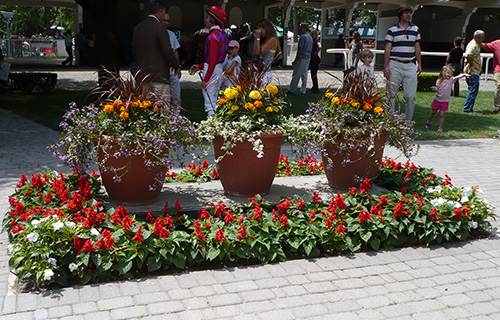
(218, 14)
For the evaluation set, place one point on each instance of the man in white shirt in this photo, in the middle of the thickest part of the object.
(175, 85)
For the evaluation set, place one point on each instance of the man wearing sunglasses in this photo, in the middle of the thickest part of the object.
(402, 49)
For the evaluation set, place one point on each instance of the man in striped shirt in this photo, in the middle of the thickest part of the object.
(402, 48)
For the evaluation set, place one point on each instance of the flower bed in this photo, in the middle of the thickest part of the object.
(286, 168)
(61, 234)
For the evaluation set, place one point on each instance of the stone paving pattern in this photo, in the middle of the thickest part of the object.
(453, 281)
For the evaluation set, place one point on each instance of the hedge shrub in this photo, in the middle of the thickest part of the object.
(31, 82)
(426, 81)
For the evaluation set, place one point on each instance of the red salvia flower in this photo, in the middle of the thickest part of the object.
(399, 210)
(22, 181)
(88, 247)
(139, 238)
(17, 228)
(229, 217)
(284, 221)
(284, 206)
(382, 201)
(433, 214)
(364, 216)
(100, 243)
(241, 218)
(242, 233)
(257, 213)
(220, 210)
(177, 206)
(365, 186)
(165, 207)
(316, 198)
(48, 198)
(110, 242)
(149, 216)
(301, 204)
(219, 235)
(341, 229)
(127, 222)
(203, 214)
(328, 223)
(205, 165)
(36, 181)
(215, 174)
(340, 202)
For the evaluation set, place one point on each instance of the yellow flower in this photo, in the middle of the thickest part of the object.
(367, 106)
(124, 115)
(355, 104)
(108, 108)
(276, 109)
(250, 106)
(378, 110)
(230, 112)
(122, 109)
(146, 104)
(255, 94)
(269, 109)
(272, 89)
(336, 100)
(328, 95)
(155, 108)
(234, 107)
(230, 93)
(135, 103)
(258, 104)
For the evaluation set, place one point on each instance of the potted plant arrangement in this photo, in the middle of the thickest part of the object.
(349, 126)
(247, 133)
(129, 132)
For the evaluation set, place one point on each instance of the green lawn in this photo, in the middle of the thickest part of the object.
(48, 109)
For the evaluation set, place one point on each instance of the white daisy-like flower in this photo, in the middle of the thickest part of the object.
(464, 199)
(70, 224)
(10, 248)
(473, 224)
(48, 274)
(52, 261)
(58, 225)
(36, 222)
(72, 266)
(94, 232)
(33, 236)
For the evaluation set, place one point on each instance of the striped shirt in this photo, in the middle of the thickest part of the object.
(403, 41)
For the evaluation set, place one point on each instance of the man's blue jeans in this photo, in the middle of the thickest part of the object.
(473, 83)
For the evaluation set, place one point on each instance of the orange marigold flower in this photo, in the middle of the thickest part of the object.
(124, 115)
(378, 110)
(222, 101)
(336, 100)
(108, 108)
(258, 104)
(367, 106)
(249, 105)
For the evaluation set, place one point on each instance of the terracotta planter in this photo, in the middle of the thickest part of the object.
(242, 174)
(137, 186)
(350, 174)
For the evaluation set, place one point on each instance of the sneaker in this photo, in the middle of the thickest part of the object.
(440, 129)
(427, 125)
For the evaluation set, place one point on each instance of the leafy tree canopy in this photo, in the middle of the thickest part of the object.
(30, 21)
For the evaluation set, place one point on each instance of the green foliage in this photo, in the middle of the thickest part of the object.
(27, 83)
(33, 20)
(61, 234)
(426, 81)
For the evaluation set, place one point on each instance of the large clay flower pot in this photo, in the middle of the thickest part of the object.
(351, 173)
(138, 185)
(242, 174)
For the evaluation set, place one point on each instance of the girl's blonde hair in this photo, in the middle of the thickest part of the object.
(441, 73)
(365, 53)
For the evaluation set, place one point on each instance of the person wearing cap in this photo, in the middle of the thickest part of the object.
(153, 52)
(301, 62)
(216, 47)
(233, 64)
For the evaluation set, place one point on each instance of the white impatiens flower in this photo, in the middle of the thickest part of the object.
(72, 266)
(33, 236)
(70, 224)
(52, 261)
(36, 222)
(473, 224)
(10, 248)
(437, 189)
(438, 201)
(464, 199)
(48, 274)
(94, 232)
(58, 225)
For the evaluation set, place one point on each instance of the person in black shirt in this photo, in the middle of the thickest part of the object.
(455, 60)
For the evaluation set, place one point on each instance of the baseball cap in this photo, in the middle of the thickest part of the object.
(234, 43)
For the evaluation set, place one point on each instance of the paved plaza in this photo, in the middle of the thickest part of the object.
(459, 280)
